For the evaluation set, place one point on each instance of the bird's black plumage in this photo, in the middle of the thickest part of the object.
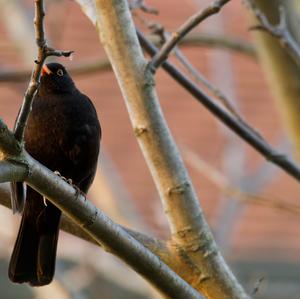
(63, 133)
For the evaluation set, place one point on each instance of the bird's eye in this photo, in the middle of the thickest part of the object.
(60, 72)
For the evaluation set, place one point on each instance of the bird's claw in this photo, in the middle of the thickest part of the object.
(45, 201)
(62, 177)
(70, 182)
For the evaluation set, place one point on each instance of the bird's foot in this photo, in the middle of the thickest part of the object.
(70, 182)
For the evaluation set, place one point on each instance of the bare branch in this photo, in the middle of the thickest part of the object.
(199, 78)
(11, 171)
(222, 182)
(205, 40)
(190, 233)
(82, 68)
(279, 31)
(43, 52)
(191, 23)
(155, 245)
(103, 230)
(8, 144)
(159, 31)
(219, 41)
(140, 4)
(103, 64)
(111, 236)
(250, 136)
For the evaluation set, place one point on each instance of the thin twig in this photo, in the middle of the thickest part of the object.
(235, 192)
(43, 52)
(252, 138)
(140, 4)
(191, 23)
(159, 31)
(257, 286)
(103, 64)
(279, 31)
(206, 40)
(82, 68)
(199, 78)
(221, 42)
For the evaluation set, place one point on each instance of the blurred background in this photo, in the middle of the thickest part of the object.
(250, 204)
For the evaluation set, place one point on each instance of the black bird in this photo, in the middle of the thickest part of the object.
(63, 133)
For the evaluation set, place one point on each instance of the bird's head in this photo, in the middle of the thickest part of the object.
(55, 79)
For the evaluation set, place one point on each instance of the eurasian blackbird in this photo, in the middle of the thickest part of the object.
(63, 133)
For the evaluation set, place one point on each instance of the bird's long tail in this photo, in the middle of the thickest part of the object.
(34, 253)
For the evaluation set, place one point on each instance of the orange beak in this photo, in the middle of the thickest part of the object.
(46, 70)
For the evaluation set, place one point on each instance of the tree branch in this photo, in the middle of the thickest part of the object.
(139, 4)
(191, 23)
(280, 31)
(9, 145)
(111, 236)
(281, 72)
(155, 245)
(105, 232)
(199, 78)
(103, 64)
(233, 191)
(247, 134)
(82, 68)
(218, 41)
(43, 52)
(190, 232)
(11, 171)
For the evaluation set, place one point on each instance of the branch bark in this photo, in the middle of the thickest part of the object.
(158, 247)
(243, 130)
(282, 74)
(96, 224)
(190, 233)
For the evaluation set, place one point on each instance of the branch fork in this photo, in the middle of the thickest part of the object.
(183, 30)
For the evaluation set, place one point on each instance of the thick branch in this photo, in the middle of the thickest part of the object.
(191, 235)
(242, 130)
(191, 23)
(8, 144)
(156, 246)
(110, 235)
(11, 171)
